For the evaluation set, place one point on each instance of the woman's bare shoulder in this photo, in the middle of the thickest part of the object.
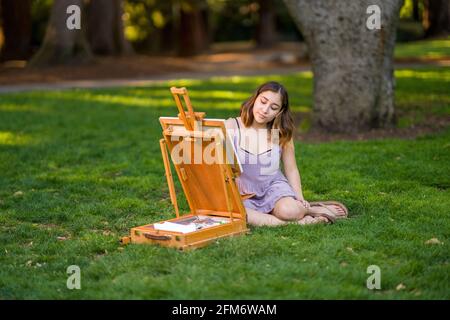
(230, 123)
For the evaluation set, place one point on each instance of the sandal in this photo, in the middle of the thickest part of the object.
(336, 203)
(330, 216)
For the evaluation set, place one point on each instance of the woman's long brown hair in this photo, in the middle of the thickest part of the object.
(283, 121)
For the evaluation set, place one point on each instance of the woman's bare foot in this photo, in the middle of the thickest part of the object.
(320, 213)
(339, 210)
(329, 208)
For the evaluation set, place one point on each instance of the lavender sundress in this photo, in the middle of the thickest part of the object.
(262, 176)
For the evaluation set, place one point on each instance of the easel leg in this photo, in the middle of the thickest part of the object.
(173, 196)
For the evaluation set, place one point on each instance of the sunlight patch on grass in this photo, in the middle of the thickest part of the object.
(260, 79)
(21, 107)
(442, 75)
(301, 108)
(202, 106)
(224, 94)
(12, 139)
(434, 54)
(305, 75)
(127, 100)
(183, 82)
(424, 49)
(420, 98)
(149, 91)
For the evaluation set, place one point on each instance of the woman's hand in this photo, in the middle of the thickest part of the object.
(304, 203)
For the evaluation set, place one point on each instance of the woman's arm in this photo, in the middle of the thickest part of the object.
(290, 168)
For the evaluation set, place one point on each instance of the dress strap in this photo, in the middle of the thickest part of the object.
(239, 130)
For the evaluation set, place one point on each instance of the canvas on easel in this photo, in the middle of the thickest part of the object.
(206, 164)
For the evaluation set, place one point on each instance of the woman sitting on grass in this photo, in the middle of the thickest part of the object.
(262, 136)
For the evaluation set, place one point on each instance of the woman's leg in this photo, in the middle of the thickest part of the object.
(258, 219)
(286, 210)
(289, 209)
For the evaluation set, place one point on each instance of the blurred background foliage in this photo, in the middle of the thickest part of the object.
(188, 27)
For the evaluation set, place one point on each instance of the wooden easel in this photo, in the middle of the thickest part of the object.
(210, 189)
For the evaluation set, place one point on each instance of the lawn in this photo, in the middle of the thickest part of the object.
(79, 168)
(425, 49)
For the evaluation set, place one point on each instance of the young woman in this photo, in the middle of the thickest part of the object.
(262, 135)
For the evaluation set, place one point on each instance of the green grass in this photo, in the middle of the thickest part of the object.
(435, 49)
(86, 165)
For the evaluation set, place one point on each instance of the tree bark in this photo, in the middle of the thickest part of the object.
(16, 16)
(105, 28)
(437, 17)
(62, 45)
(352, 65)
(265, 30)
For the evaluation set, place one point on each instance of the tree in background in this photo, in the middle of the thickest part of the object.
(62, 45)
(16, 17)
(436, 17)
(183, 27)
(193, 32)
(105, 28)
(416, 11)
(176, 26)
(424, 19)
(352, 65)
(168, 27)
(266, 34)
(263, 21)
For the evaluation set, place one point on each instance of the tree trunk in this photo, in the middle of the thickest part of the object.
(194, 37)
(266, 30)
(105, 28)
(437, 17)
(164, 40)
(62, 45)
(352, 65)
(16, 16)
(416, 11)
(167, 40)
